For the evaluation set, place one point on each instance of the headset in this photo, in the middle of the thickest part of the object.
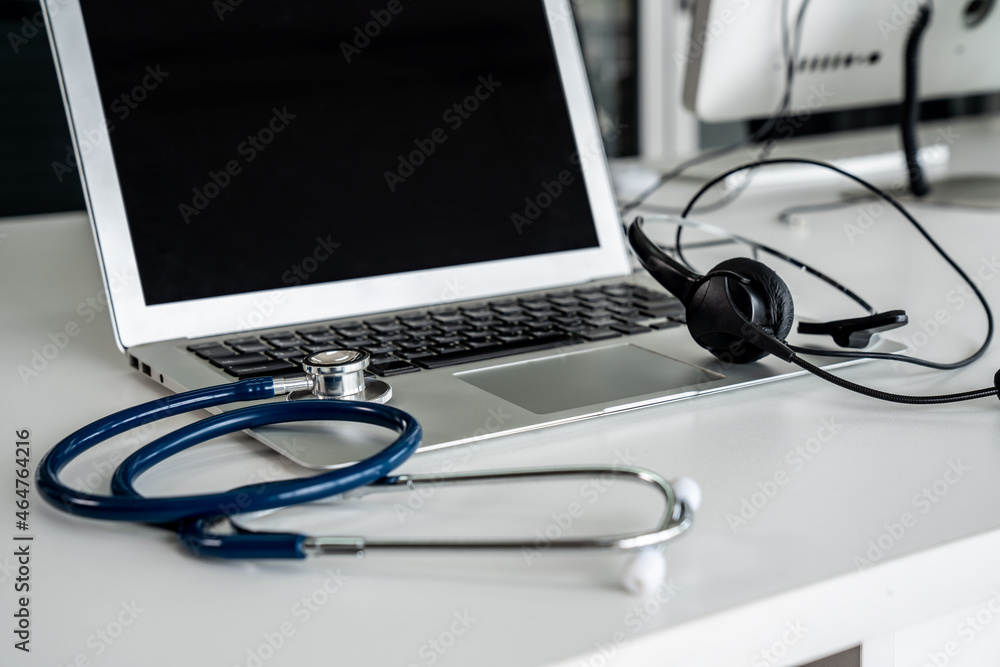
(741, 310)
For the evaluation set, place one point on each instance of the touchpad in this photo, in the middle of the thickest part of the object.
(580, 379)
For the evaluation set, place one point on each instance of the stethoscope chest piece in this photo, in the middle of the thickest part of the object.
(340, 375)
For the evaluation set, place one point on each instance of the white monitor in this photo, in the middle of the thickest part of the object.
(851, 54)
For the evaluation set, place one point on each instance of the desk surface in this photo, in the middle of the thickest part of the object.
(827, 518)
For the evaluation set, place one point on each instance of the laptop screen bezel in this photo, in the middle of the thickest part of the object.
(136, 323)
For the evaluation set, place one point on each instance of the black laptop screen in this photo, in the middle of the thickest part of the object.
(284, 142)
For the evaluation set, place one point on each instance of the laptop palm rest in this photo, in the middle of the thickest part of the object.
(579, 379)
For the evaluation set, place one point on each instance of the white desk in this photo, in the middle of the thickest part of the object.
(733, 594)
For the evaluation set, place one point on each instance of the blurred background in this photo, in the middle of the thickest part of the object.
(627, 46)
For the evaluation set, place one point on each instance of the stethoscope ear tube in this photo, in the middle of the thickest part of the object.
(196, 536)
(128, 505)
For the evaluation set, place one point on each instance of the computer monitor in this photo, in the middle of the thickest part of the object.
(851, 54)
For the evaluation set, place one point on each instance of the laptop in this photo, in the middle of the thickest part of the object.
(424, 180)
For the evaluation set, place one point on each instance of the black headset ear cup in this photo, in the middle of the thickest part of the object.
(717, 322)
(779, 311)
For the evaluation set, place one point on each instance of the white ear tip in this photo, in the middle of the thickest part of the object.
(687, 489)
(645, 570)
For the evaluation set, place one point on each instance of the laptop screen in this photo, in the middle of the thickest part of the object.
(267, 144)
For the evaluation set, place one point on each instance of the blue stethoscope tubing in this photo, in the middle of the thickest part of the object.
(128, 505)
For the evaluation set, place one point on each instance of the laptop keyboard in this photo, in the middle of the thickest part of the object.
(448, 336)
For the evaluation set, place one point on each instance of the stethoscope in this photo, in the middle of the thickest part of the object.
(335, 388)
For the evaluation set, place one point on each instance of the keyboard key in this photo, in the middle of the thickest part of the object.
(423, 333)
(474, 334)
(511, 338)
(273, 367)
(452, 326)
(417, 322)
(243, 340)
(396, 367)
(668, 324)
(508, 331)
(675, 308)
(630, 329)
(413, 355)
(389, 338)
(448, 318)
(213, 352)
(515, 318)
(312, 331)
(599, 333)
(540, 325)
(354, 343)
(194, 347)
(352, 331)
(447, 349)
(409, 344)
(385, 326)
(497, 351)
(285, 343)
(326, 337)
(563, 301)
(321, 347)
(378, 349)
(289, 355)
(238, 360)
(251, 347)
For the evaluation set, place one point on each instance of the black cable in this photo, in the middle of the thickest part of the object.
(790, 49)
(910, 109)
(889, 199)
(774, 252)
(889, 396)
